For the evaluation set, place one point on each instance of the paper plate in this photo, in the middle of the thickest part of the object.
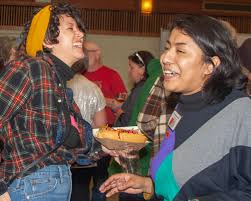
(119, 145)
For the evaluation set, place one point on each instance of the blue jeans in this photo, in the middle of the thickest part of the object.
(52, 183)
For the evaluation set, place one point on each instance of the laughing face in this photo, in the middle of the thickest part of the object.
(184, 69)
(70, 46)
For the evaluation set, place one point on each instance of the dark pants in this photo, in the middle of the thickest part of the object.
(134, 197)
(81, 178)
(130, 197)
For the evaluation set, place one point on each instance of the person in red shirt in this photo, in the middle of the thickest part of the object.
(106, 78)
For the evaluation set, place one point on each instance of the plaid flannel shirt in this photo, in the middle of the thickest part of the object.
(154, 116)
(29, 90)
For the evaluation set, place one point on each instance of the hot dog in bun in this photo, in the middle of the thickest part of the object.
(123, 135)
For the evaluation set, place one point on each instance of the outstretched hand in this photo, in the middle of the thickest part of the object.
(128, 183)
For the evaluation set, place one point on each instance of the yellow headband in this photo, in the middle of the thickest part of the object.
(37, 31)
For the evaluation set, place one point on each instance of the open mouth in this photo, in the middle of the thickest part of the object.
(170, 74)
(78, 45)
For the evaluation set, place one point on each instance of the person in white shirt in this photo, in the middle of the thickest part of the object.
(91, 103)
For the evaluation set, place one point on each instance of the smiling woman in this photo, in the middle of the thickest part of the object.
(41, 126)
(70, 41)
(184, 68)
(204, 69)
(65, 32)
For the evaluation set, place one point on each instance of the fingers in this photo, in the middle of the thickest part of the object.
(112, 192)
(123, 182)
(114, 184)
(111, 189)
(109, 183)
(134, 182)
(129, 187)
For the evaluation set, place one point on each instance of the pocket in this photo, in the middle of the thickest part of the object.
(37, 187)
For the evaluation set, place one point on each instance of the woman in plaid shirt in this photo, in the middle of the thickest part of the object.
(206, 151)
(36, 115)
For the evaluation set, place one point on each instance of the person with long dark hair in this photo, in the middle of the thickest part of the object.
(137, 73)
(206, 152)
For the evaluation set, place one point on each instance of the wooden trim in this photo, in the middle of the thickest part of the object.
(14, 28)
(118, 22)
(22, 3)
(230, 8)
(132, 5)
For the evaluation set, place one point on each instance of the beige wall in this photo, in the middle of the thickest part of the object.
(116, 49)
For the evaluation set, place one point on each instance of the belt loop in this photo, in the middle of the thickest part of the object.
(60, 169)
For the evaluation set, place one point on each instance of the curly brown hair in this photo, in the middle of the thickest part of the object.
(52, 32)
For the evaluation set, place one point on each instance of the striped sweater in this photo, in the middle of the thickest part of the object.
(208, 155)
